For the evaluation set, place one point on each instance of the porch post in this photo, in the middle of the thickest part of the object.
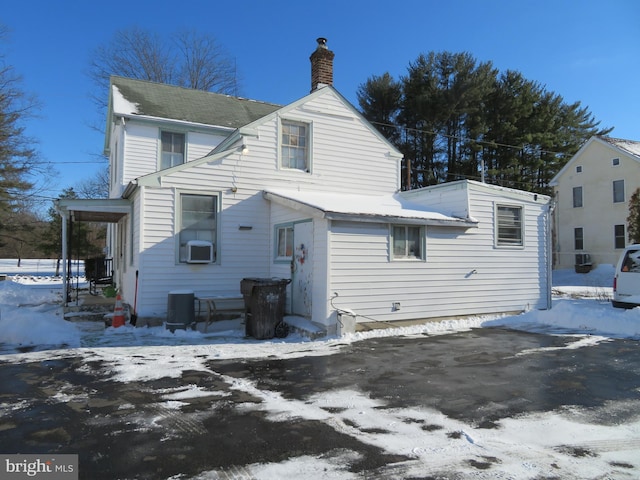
(65, 290)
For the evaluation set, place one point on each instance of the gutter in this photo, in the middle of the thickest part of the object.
(130, 189)
(397, 219)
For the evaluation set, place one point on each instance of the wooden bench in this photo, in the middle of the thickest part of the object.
(217, 306)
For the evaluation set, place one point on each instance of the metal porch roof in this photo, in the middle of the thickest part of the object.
(363, 208)
(93, 210)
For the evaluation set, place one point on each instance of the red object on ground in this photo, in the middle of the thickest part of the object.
(118, 314)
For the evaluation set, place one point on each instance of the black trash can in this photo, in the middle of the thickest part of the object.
(180, 310)
(264, 300)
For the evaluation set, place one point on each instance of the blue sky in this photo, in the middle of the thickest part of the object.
(587, 51)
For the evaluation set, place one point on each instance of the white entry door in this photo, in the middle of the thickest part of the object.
(302, 269)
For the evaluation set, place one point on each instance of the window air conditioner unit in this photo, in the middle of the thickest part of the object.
(199, 251)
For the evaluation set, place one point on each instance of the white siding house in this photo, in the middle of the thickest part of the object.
(308, 192)
(592, 193)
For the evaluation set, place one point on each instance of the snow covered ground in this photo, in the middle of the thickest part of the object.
(30, 319)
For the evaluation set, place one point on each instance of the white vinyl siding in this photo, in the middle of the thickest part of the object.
(241, 253)
(464, 273)
(141, 146)
(352, 259)
(201, 144)
(424, 288)
(140, 150)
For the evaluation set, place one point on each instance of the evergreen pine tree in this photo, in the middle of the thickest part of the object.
(458, 118)
(633, 220)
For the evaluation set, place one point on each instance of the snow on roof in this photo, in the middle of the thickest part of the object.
(365, 208)
(121, 105)
(629, 146)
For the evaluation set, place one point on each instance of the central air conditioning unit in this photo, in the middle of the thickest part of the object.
(583, 258)
(199, 251)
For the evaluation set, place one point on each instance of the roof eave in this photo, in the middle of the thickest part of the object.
(308, 209)
(107, 210)
(396, 219)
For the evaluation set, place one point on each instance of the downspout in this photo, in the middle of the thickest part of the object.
(552, 206)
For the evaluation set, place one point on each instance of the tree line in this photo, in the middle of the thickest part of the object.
(456, 118)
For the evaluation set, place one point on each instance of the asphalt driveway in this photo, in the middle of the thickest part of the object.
(480, 377)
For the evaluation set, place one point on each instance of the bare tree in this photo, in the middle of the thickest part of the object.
(186, 58)
(205, 64)
(21, 167)
(96, 186)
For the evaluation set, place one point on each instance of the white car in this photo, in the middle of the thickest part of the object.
(626, 282)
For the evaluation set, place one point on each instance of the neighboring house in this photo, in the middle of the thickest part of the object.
(592, 193)
(209, 189)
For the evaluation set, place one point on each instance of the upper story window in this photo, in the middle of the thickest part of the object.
(509, 226)
(615, 162)
(408, 242)
(172, 151)
(294, 146)
(577, 197)
(579, 169)
(198, 221)
(618, 191)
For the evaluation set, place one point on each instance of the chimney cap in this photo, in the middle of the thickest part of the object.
(322, 42)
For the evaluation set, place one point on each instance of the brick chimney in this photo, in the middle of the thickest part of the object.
(321, 65)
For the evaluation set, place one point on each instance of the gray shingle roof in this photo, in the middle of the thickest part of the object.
(178, 103)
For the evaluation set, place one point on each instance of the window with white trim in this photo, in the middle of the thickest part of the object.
(578, 238)
(294, 145)
(172, 149)
(509, 226)
(407, 242)
(284, 242)
(198, 221)
(615, 162)
(618, 191)
(577, 197)
(619, 236)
